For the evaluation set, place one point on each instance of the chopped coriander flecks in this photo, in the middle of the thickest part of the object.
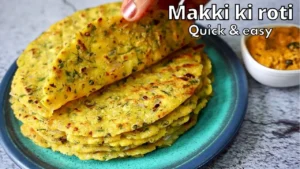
(91, 82)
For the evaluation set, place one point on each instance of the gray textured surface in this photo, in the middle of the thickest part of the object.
(269, 137)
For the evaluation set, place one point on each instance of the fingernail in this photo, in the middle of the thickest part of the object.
(129, 10)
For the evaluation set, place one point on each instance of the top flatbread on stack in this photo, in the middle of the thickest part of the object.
(94, 83)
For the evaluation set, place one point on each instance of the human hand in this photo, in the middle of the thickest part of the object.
(134, 10)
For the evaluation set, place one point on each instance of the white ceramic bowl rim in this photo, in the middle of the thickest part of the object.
(264, 67)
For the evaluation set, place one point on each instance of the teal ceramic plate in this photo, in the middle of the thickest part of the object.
(216, 127)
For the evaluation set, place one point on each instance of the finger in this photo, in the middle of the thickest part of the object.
(134, 9)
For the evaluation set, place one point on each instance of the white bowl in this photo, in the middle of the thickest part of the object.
(265, 75)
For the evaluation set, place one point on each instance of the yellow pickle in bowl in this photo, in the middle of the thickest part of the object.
(280, 51)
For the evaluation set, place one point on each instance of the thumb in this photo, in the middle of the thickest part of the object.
(134, 9)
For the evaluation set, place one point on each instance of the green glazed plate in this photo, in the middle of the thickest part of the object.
(217, 125)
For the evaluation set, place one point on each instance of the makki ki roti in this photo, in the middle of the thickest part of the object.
(162, 72)
(119, 146)
(56, 136)
(114, 146)
(40, 123)
(109, 49)
(180, 112)
(80, 19)
(68, 148)
(168, 94)
(83, 150)
(140, 99)
(33, 68)
(100, 152)
(35, 61)
(145, 132)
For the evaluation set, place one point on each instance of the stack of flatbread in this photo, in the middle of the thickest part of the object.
(98, 87)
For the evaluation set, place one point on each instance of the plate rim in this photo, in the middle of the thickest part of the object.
(200, 160)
